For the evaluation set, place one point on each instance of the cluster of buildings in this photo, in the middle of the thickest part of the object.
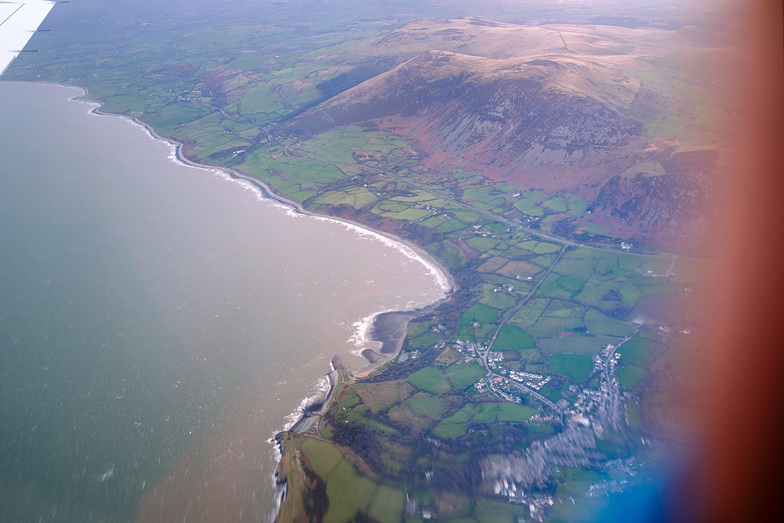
(581, 421)
(513, 475)
(585, 419)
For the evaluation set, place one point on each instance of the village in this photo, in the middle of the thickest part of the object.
(579, 422)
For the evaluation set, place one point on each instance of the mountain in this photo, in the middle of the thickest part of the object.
(508, 119)
(557, 120)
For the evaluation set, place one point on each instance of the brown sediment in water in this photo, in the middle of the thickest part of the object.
(179, 494)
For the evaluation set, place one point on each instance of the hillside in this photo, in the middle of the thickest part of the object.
(558, 109)
(527, 122)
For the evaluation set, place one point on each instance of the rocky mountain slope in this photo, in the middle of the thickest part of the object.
(508, 119)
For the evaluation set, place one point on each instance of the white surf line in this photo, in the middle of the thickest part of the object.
(294, 209)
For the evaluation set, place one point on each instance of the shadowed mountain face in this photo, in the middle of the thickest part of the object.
(661, 201)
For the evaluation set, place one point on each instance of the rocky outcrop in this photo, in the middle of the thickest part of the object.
(663, 195)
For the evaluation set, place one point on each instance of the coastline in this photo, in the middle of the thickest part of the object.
(266, 192)
(439, 272)
(387, 327)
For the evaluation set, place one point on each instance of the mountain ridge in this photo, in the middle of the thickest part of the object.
(546, 119)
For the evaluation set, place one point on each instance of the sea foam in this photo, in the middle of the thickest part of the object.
(361, 337)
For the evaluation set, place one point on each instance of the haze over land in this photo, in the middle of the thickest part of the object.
(624, 116)
(577, 110)
(541, 152)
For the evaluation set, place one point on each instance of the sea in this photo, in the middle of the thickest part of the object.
(160, 322)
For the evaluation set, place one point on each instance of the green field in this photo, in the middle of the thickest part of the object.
(498, 300)
(575, 344)
(488, 511)
(463, 375)
(356, 198)
(599, 324)
(425, 340)
(564, 309)
(323, 458)
(570, 282)
(433, 406)
(515, 338)
(447, 253)
(555, 327)
(552, 289)
(529, 208)
(637, 351)
(630, 376)
(387, 505)
(430, 379)
(530, 313)
(457, 424)
(510, 412)
(349, 492)
(536, 431)
(417, 328)
(574, 366)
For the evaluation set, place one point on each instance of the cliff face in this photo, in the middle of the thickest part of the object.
(528, 125)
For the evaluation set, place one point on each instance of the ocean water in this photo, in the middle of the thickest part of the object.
(160, 322)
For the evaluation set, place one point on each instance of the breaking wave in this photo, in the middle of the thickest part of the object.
(361, 337)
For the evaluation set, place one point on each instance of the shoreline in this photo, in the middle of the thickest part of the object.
(266, 193)
(374, 359)
(430, 262)
(387, 327)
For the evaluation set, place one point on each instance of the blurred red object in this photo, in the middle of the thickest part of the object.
(739, 475)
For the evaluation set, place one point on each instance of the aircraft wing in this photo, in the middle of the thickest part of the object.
(18, 21)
